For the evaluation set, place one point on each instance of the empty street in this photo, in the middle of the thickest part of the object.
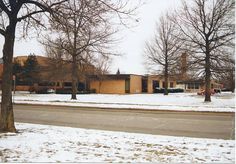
(189, 124)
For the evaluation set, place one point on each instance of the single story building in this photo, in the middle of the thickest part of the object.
(196, 85)
(127, 83)
(116, 84)
(157, 81)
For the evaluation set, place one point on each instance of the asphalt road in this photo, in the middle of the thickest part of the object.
(189, 124)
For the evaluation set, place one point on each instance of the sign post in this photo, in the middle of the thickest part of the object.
(14, 83)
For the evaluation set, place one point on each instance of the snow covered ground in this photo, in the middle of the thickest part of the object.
(43, 143)
(224, 102)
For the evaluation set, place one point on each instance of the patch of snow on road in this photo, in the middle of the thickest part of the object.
(224, 102)
(43, 143)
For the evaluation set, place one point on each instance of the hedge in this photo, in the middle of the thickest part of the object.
(170, 90)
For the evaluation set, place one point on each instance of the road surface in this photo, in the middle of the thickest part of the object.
(189, 124)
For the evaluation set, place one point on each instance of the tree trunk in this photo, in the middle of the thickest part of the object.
(232, 86)
(166, 79)
(74, 78)
(207, 78)
(166, 86)
(6, 115)
(232, 81)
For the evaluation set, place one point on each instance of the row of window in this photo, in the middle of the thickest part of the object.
(193, 86)
(156, 84)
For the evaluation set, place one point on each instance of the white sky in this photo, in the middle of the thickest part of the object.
(131, 46)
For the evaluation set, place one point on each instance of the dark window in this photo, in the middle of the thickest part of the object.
(197, 86)
(190, 86)
(193, 86)
(144, 85)
(163, 84)
(81, 86)
(127, 86)
(67, 84)
(155, 84)
(171, 85)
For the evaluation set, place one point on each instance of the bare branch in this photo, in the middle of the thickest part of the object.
(43, 8)
(4, 8)
(2, 32)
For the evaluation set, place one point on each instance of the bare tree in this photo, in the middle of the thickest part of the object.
(226, 73)
(164, 48)
(57, 67)
(13, 12)
(207, 27)
(84, 28)
(102, 65)
(230, 76)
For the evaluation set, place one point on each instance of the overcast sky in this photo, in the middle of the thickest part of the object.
(131, 45)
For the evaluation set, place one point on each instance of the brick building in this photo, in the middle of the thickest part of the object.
(53, 75)
(127, 83)
(116, 84)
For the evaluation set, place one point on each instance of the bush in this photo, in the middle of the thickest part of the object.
(92, 91)
(226, 90)
(178, 90)
(43, 90)
(31, 89)
(170, 90)
(158, 90)
(63, 91)
(69, 91)
(39, 90)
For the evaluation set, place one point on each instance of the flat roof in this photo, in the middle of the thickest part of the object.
(112, 76)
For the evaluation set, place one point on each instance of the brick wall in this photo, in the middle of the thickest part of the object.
(135, 84)
(109, 86)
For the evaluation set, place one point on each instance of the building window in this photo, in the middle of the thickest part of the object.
(171, 85)
(190, 86)
(193, 86)
(197, 86)
(127, 86)
(163, 84)
(155, 84)
(67, 84)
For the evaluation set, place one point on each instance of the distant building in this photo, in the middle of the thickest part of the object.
(189, 84)
(59, 76)
(51, 73)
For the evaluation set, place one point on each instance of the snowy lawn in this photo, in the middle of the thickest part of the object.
(224, 102)
(43, 143)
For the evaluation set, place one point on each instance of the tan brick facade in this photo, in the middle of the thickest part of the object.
(119, 85)
(135, 84)
(108, 86)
